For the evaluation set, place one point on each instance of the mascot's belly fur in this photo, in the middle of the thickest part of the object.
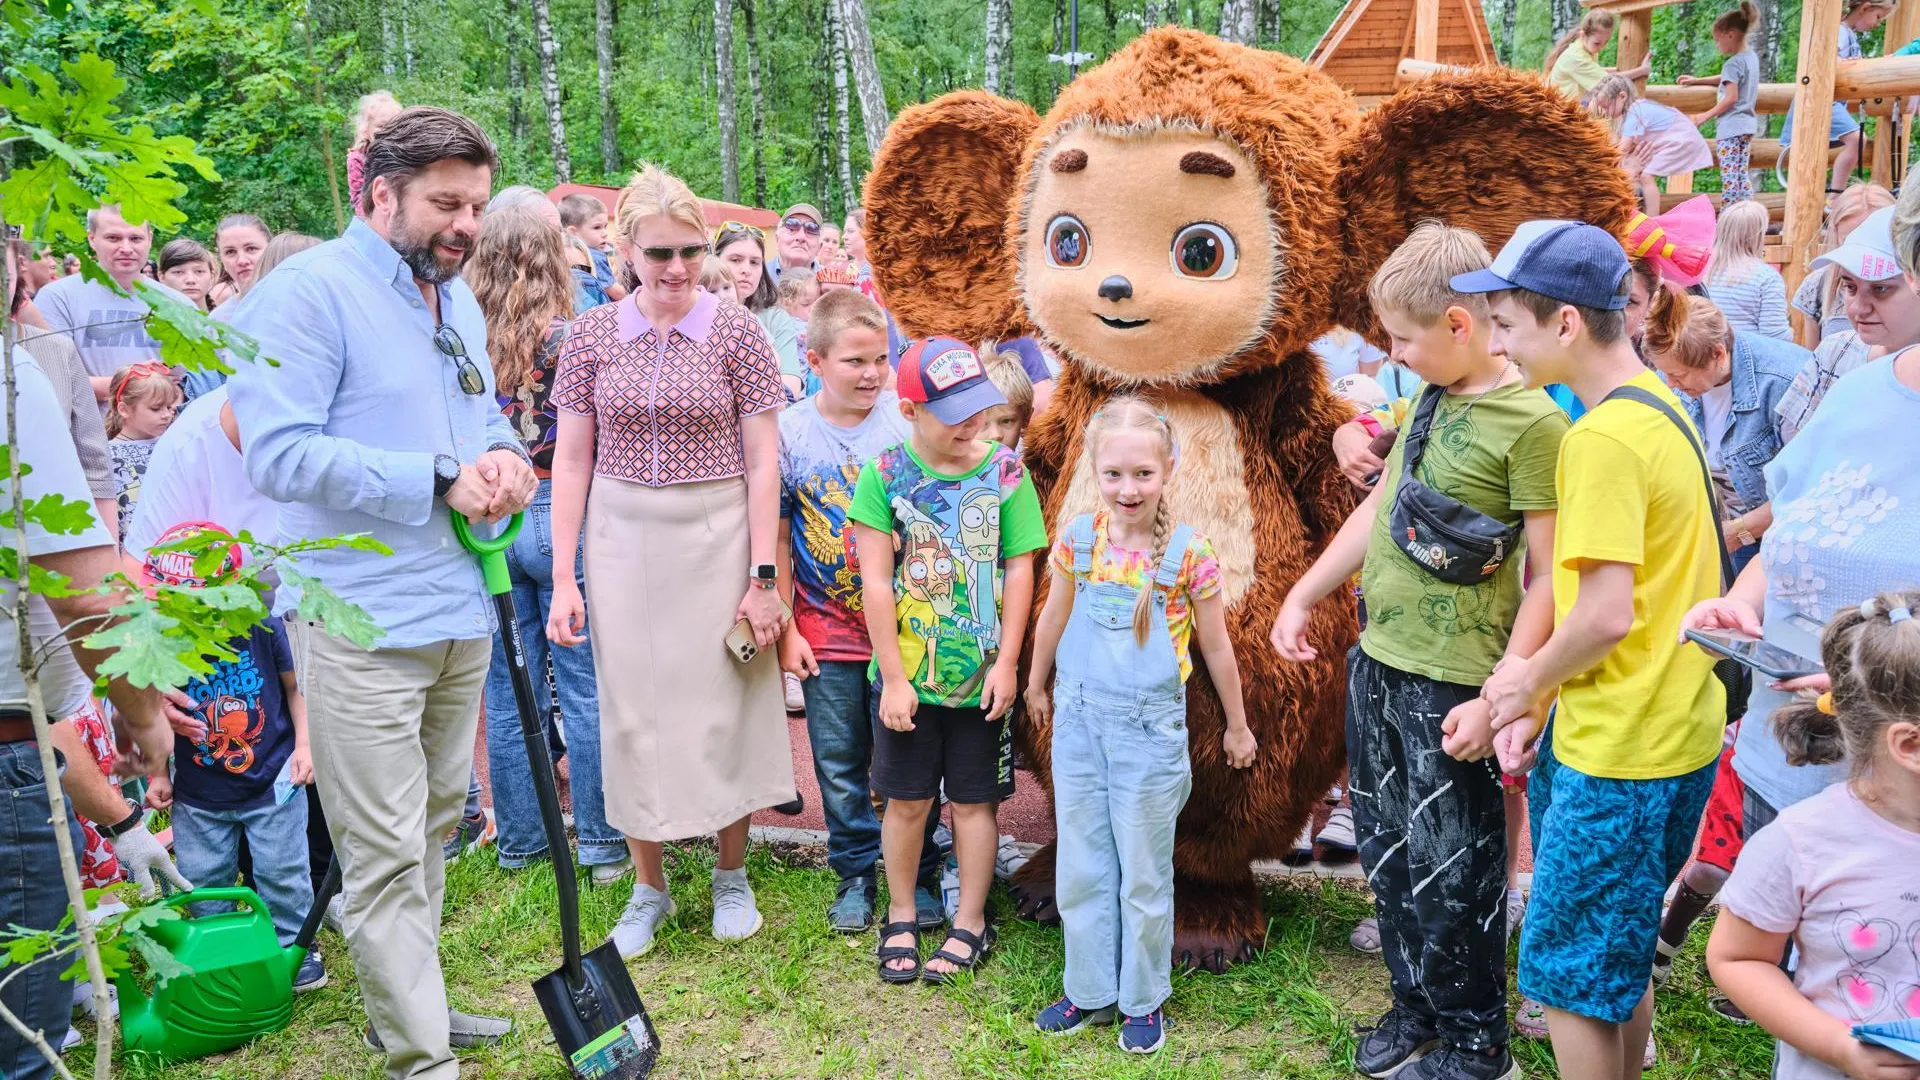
(1208, 487)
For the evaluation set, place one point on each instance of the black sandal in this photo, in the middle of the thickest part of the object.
(981, 944)
(888, 953)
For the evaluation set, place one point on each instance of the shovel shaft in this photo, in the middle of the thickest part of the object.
(541, 764)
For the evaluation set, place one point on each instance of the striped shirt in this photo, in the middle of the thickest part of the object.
(1754, 303)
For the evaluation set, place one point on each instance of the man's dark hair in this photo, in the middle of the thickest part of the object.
(419, 137)
(1604, 327)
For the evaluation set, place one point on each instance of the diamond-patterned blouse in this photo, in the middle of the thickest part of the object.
(667, 407)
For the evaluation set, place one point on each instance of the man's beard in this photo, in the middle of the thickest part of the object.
(419, 254)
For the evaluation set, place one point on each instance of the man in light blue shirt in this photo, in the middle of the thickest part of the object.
(381, 419)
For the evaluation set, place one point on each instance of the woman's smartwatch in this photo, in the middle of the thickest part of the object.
(763, 574)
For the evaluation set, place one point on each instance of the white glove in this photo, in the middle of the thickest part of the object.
(140, 855)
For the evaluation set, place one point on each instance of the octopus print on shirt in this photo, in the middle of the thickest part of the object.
(952, 538)
(249, 726)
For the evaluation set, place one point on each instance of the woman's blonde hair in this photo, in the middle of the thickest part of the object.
(1594, 20)
(655, 192)
(519, 275)
(1129, 412)
(278, 250)
(1686, 328)
(1872, 656)
(1739, 239)
(135, 384)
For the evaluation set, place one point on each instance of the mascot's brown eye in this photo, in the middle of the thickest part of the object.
(1066, 242)
(1205, 250)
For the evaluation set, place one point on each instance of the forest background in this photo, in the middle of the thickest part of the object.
(766, 102)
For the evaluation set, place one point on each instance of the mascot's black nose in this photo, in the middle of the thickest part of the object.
(1116, 288)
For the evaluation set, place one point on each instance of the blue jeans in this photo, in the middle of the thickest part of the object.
(515, 809)
(31, 897)
(841, 705)
(206, 848)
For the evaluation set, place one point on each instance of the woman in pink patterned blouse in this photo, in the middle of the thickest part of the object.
(668, 447)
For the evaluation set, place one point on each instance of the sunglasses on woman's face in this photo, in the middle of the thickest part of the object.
(661, 256)
(800, 224)
(447, 340)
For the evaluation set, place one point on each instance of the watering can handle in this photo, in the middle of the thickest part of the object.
(493, 553)
(232, 894)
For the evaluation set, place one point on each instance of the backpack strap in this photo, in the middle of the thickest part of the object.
(1177, 544)
(1081, 534)
(1634, 393)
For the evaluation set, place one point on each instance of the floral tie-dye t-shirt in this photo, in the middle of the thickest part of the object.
(819, 464)
(952, 538)
(1199, 578)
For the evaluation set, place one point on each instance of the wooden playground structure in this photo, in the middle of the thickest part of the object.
(1374, 45)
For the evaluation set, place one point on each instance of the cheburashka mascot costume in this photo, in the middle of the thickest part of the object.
(1185, 221)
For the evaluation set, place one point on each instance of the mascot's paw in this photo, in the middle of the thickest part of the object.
(1217, 926)
(1031, 888)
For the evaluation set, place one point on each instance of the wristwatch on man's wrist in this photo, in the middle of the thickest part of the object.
(763, 574)
(446, 470)
(136, 815)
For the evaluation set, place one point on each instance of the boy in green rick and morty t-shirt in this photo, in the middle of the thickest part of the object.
(944, 651)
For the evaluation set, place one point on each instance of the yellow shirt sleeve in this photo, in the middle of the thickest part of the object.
(1603, 501)
(1576, 71)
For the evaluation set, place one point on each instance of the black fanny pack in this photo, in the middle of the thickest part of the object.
(1445, 537)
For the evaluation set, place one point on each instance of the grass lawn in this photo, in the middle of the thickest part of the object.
(800, 1001)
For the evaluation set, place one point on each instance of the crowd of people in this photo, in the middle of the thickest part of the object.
(1568, 459)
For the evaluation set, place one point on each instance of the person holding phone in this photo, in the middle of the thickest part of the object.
(668, 447)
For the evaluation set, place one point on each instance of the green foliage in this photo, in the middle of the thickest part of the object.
(120, 934)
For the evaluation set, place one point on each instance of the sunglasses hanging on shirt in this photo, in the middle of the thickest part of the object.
(447, 340)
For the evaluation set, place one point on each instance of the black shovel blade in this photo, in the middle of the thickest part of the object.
(600, 1024)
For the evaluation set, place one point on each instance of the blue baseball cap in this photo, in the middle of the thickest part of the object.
(946, 376)
(1571, 261)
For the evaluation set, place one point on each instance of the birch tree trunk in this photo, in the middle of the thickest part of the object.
(603, 17)
(1566, 16)
(723, 86)
(1150, 15)
(999, 17)
(758, 103)
(866, 72)
(1509, 21)
(550, 90)
(842, 118)
(386, 42)
(516, 78)
(406, 36)
(1266, 22)
(1236, 21)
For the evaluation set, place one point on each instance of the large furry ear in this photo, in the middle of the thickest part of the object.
(938, 202)
(1484, 150)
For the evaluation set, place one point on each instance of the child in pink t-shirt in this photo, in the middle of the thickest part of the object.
(1838, 874)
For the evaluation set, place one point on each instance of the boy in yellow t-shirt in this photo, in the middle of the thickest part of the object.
(1624, 772)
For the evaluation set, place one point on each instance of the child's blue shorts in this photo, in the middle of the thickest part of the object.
(1840, 122)
(1604, 852)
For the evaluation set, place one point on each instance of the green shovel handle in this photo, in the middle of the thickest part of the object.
(493, 553)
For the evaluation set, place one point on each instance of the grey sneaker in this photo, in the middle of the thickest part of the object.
(608, 873)
(735, 918)
(633, 934)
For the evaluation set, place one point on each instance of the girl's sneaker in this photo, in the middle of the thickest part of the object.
(1338, 833)
(1063, 1017)
(1144, 1034)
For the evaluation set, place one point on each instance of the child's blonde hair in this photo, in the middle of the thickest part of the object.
(1595, 20)
(714, 275)
(371, 106)
(1872, 656)
(1605, 92)
(835, 313)
(137, 384)
(794, 283)
(1416, 280)
(1739, 239)
(1010, 378)
(1129, 412)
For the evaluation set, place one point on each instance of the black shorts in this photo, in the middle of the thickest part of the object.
(974, 757)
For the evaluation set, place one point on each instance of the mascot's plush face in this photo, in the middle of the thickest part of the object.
(1149, 252)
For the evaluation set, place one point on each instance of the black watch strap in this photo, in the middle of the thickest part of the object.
(132, 821)
(446, 472)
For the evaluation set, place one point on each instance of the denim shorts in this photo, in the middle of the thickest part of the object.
(1604, 852)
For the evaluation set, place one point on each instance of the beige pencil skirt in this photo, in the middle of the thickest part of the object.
(690, 738)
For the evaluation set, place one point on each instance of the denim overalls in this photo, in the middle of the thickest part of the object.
(1120, 777)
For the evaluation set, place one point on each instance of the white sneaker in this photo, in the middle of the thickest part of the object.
(602, 874)
(633, 934)
(735, 917)
(1338, 832)
(1517, 913)
(1303, 844)
(83, 999)
(1008, 858)
(336, 916)
(796, 701)
(71, 1039)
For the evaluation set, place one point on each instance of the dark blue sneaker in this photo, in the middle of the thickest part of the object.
(311, 976)
(1063, 1017)
(1143, 1034)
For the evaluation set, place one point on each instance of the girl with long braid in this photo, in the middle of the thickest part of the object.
(1131, 588)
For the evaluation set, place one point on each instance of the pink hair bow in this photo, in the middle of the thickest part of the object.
(1677, 243)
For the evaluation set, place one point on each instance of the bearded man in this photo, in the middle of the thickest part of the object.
(381, 419)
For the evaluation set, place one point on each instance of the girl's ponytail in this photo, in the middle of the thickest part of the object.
(1739, 20)
(1872, 656)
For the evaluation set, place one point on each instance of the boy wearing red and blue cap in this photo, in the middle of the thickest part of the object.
(946, 630)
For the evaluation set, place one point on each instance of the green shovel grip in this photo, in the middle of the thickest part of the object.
(493, 553)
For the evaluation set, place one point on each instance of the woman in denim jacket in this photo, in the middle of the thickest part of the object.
(1732, 384)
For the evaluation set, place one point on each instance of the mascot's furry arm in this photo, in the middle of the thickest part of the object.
(1183, 222)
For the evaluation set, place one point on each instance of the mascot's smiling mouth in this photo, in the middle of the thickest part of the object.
(1123, 324)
